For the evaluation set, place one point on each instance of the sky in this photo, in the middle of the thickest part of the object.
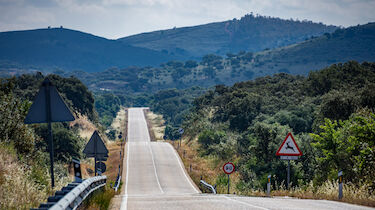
(114, 19)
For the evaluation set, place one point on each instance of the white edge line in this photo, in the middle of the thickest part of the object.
(246, 204)
(183, 170)
(124, 203)
(153, 163)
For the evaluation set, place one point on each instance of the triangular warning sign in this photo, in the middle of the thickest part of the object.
(38, 110)
(95, 142)
(289, 147)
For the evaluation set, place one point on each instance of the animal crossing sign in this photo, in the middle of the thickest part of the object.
(289, 148)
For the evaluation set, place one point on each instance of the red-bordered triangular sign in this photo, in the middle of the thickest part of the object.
(289, 147)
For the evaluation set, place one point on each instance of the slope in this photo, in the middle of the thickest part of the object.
(71, 50)
(353, 43)
(250, 33)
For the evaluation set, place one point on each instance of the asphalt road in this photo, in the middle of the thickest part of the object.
(156, 179)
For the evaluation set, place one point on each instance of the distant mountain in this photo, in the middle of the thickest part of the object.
(250, 33)
(354, 43)
(71, 50)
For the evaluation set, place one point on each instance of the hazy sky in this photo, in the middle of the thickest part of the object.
(118, 18)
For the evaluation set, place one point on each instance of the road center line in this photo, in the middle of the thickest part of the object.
(246, 204)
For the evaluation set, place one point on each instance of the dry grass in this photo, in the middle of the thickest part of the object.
(17, 189)
(85, 127)
(329, 191)
(209, 168)
(149, 125)
(156, 124)
(119, 121)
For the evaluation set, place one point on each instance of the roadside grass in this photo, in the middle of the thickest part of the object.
(102, 199)
(155, 124)
(23, 186)
(210, 169)
(99, 199)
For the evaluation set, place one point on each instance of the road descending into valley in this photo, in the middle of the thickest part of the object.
(156, 179)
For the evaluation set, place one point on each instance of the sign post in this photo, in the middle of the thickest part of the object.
(77, 171)
(96, 148)
(289, 150)
(228, 168)
(48, 107)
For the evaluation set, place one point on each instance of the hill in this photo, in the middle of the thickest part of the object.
(250, 33)
(354, 43)
(60, 48)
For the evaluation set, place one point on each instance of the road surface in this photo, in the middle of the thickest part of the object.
(156, 179)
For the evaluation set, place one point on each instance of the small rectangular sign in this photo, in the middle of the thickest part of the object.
(289, 157)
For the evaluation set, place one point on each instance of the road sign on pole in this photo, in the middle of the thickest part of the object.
(96, 148)
(48, 107)
(228, 168)
(102, 167)
(289, 147)
(289, 150)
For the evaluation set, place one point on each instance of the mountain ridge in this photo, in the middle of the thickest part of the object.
(72, 50)
(250, 33)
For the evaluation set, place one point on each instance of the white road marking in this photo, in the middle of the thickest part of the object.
(183, 170)
(153, 163)
(246, 204)
(124, 203)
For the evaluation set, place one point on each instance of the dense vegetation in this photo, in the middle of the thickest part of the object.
(355, 43)
(23, 148)
(250, 33)
(330, 113)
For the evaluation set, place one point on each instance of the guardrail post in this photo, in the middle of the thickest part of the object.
(340, 185)
(269, 185)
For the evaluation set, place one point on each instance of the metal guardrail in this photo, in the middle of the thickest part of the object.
(117, 183)
(71, 196)
(75, 197)
(208, 186)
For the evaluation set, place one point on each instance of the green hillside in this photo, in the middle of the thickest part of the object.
(354, 43)
(250, 33)
(330, 114)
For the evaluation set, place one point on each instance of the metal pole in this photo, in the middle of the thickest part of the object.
(288, 178)
(228, 183)
(95, 154)
(50, 137)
